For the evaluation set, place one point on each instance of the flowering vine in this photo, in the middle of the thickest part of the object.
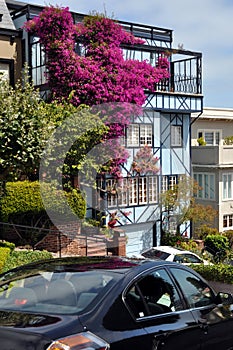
(145, 162)
(100, 76)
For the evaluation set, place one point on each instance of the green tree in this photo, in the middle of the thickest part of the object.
(180, 201)
(26, 124)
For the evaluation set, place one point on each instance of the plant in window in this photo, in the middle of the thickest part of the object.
(145, 162)
(201, 141)
(228, 140)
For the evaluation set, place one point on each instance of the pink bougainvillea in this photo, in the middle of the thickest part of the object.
(100, 76)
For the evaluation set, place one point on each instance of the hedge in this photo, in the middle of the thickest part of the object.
(216, 272)
(23, 197)
(4, 254)
(17, 258)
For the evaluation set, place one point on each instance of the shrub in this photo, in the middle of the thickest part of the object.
(218, 246)
(17, 258)
(4, 254)
(216, 272)
(24, 197)
(5, 244)
(228, 140)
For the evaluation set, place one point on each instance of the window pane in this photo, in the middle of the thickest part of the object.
(176, 135)
(209, 138)
(145, 134)
(230, 220)
(200, 192)
(229, 186)
(197, 292)
(212, 187)
(224, 220)
(142, 190)
(152, 187)
(133, 135)
(133, 191)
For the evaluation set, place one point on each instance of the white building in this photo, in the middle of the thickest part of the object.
(213, 162)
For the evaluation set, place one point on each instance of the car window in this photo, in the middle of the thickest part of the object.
(187, 258)
(196, 291)
(153, 294)
(56, 292)
(154, 253)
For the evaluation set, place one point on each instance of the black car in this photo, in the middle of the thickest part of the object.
(111, 303)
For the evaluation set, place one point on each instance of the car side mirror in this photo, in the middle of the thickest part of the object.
(224, 298)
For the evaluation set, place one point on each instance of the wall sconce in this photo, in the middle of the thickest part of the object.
(1, 14)
(12, 39)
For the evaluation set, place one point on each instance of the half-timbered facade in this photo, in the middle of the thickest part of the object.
(164, 127)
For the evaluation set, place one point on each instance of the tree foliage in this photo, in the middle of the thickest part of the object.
(26, 124)
(181, 201)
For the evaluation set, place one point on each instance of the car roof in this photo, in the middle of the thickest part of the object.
(83, 263)
(171, 250)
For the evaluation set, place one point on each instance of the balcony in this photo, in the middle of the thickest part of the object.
(212, 156)
(181, 92)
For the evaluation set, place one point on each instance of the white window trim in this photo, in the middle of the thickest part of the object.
(227, 197)
(201, 193)
(139, 135)
(176, 135)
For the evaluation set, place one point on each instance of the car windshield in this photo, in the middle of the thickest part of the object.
(59, 290)
(154, 253)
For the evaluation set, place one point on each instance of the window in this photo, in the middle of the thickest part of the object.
(206, 183)
(197, 292)
(228, 220)
(227, 180)
(132, 191)
(168, 182)
(38, 62)
(133, 135)
(211, 137)
(154, 294)
(7, 69)
(139, 135)
(176, 135)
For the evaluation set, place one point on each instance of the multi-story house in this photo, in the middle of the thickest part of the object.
(164, 127)
(213, 163)
(10, 46)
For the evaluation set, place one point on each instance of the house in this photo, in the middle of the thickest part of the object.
(213, 162)
(164, 127)
(10, 46)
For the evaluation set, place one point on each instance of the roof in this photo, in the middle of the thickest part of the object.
(6, 20)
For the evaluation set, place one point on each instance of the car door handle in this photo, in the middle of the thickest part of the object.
(159, 340)
(204, 325)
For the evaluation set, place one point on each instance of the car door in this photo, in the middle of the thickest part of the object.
(215, 321)
(157, 306)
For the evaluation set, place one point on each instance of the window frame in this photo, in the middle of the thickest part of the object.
(227, 186)
(176, 136)
(215, 132)
(207, 189)
(139, 135)
(133, 191)
(227, 221)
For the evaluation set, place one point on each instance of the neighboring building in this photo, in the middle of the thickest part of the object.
(10, 46)
(213, 163)
(165, 127)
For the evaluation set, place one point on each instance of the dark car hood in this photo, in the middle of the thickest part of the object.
(34, 331)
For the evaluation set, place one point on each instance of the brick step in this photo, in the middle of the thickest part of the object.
(96, 248)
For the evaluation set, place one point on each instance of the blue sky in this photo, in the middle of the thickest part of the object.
(203, 26)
